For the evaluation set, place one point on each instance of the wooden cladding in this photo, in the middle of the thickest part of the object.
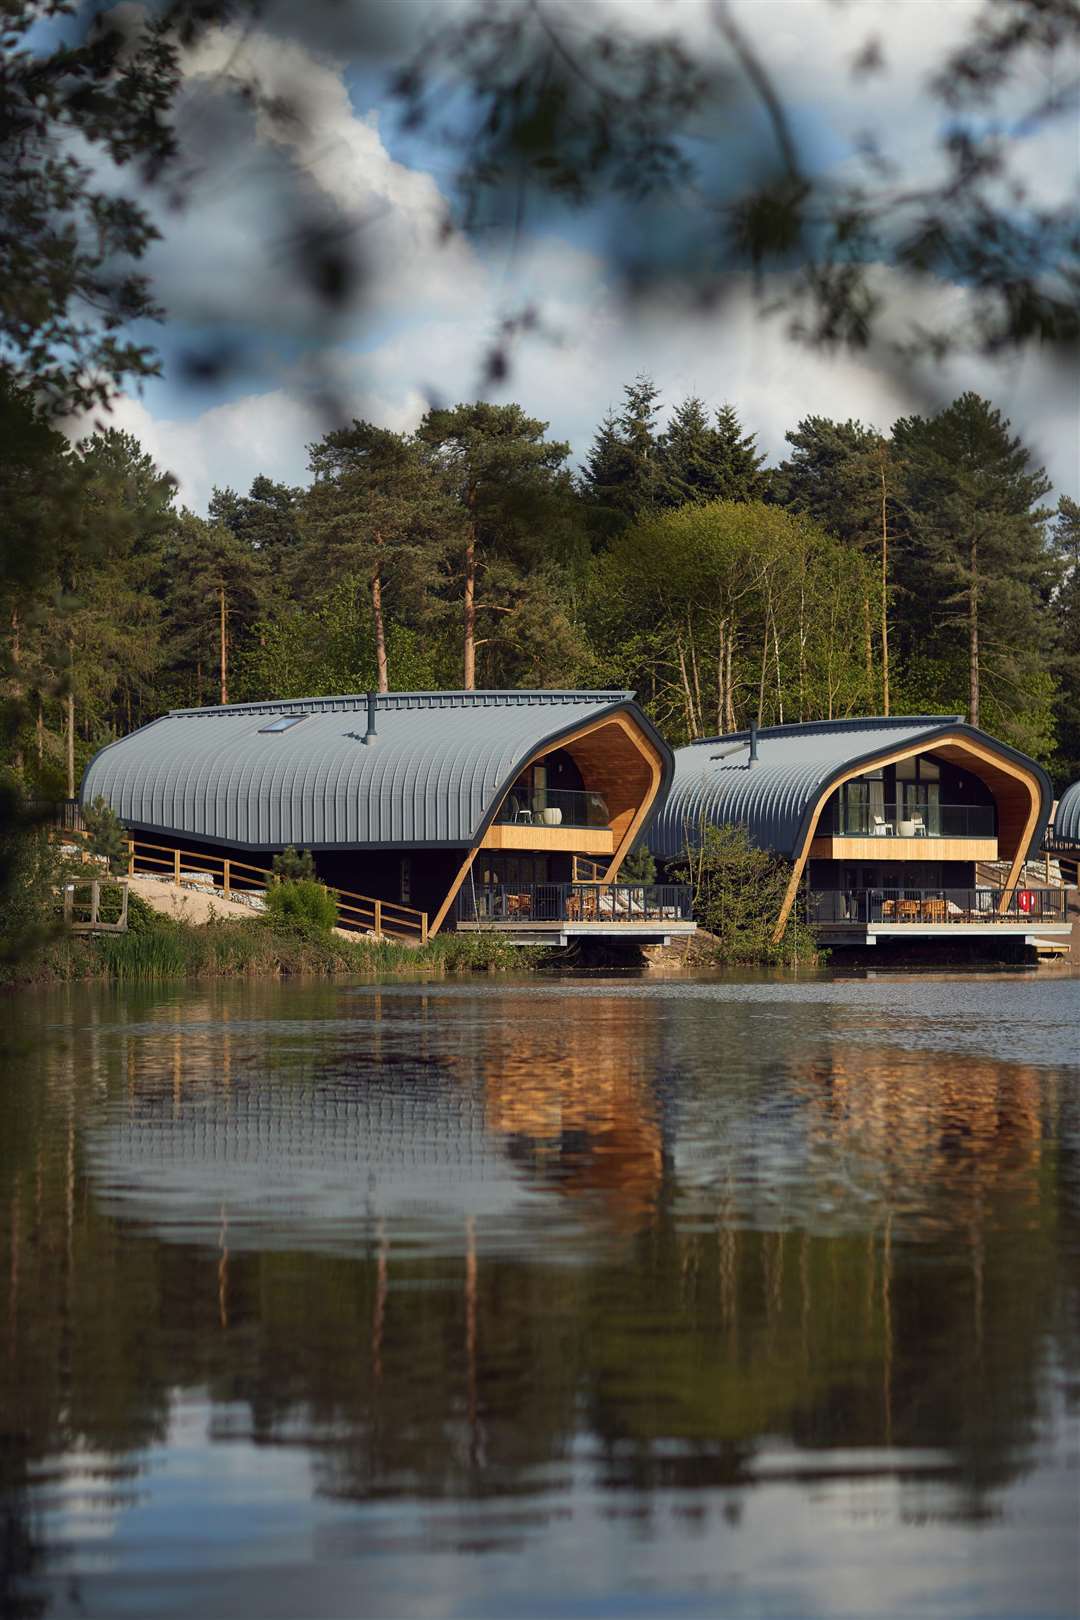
(571, 840)
(836, 848)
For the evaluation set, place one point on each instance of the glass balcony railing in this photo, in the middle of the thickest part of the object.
(554, 807)
(937, 906)
(922, 821)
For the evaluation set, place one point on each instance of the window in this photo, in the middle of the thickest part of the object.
(282, 723)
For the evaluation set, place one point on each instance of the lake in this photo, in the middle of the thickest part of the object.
(545, 1297)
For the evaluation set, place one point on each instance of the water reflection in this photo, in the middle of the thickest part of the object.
(508, 1265)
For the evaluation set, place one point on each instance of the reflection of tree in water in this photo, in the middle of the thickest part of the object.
(677, 1341)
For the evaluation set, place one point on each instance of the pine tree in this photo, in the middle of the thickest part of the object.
(377, 513)
(214, 584)
(975, 552)
(1066, 613)
(516, 506)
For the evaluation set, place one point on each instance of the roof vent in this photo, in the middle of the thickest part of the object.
(369, 736)
(753, 744)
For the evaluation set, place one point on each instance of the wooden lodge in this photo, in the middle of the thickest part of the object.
(494, 811)
(898, 829)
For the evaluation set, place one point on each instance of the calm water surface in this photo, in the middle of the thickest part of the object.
(576, 1298)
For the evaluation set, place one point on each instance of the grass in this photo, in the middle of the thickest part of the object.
(157, 948)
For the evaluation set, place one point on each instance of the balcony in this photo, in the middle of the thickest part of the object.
(853, 820)
(555, 807)
(874, 911)
(554, 912)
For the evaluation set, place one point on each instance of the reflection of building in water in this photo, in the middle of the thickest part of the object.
(578, 1101)
(362, 1118)
(948, 1126)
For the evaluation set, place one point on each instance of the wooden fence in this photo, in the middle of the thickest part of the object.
(235, 879)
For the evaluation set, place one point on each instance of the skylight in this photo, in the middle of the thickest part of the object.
(282, 723)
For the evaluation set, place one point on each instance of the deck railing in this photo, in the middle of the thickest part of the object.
(496, 903)
(938, 906)
(233, 880)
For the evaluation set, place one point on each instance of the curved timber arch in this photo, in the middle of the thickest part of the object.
(620, 761)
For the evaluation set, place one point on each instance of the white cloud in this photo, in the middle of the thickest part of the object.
(431, 304)
(573, 375)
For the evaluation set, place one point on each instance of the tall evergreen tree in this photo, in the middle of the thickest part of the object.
(1066, 611)
(622, 475)
(975, 553)
(377, 512)
(516, 506)
(266, 519)
(704, 461)
(214, 584)
(846, 477)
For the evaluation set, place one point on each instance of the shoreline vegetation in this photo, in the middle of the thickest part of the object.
(736, 893)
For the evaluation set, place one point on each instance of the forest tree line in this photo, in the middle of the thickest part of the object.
(918, 570)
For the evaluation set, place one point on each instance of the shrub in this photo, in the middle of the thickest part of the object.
(295, 865)
(638, 867)
(301, 906)
(108, 837)
(738, 892)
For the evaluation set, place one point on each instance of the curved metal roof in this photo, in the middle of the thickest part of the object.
(1066, 828)
(434, 774)
(774, 797)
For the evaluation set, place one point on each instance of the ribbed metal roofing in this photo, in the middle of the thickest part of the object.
(774, 797)
(434, 774)
(1067, 816)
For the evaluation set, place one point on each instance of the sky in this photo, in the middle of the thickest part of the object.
(433, 297)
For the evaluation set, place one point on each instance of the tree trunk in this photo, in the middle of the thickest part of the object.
(16, 684)
(40, 731)
(721, 695)
(729, 724)
(973, 634)
(470, 596)
(884, 590)
(868, 647)
(377, 615)
(690, 725)
(779, 683)
(224, 654)
(69, 704)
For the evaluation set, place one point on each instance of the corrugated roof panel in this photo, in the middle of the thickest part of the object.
(431, 776)
(715, 780)
(1067, 815)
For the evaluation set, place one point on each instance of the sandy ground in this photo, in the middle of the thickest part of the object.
(191, 906)
(187, 905)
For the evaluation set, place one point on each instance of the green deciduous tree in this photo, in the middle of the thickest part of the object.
(729, 610)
